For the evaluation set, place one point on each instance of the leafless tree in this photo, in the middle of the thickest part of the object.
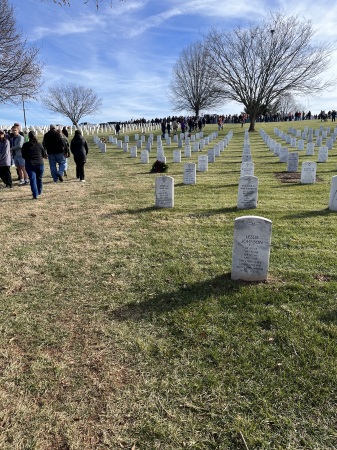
(20, 69)
(72, 101)
(285, 104)
(193, 87)
(259, 64)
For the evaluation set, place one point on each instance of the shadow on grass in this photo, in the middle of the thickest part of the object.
(213, 212)
(162, 303)
(330, 317)
(132, 211)
(308, 214)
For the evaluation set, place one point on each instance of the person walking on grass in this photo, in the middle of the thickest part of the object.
(64, 137)
(54, 146)
(79, 148)
(34, 154)
(17, 143)
(5, 160)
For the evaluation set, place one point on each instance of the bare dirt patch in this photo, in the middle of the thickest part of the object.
(291, 177)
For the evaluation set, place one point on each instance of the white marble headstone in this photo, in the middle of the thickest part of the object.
(247, 169)
(251, 248)
(190, 176)
(187, 152)
(202, 163)
(144, 157)
(308, 172)
(310, 149)
(177, 156)
(164, 192)
(292, 163)
(322, 154)
(211, 155)
(248, 192)
(333, 194)
(133, 151)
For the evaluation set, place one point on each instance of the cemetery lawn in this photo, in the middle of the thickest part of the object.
(122, 329)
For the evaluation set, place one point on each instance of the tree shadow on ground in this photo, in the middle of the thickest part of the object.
(214, 212)
(329, 317)
(308, 214)
(131, 211)
(185, 295)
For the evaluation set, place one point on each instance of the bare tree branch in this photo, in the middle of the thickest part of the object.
(20, 70)
(97, 3)
(259, 64)
(72, 101)
(193, 87)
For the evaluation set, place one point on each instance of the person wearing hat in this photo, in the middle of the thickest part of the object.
(34, 153)
(54, 146)
(5, 160)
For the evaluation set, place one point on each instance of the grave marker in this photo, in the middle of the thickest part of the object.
(248, 192)
(164, 192)
(333, 194)
(308, 172)
(190, 175)
(251, 248)
(292, 164)
(202, 163)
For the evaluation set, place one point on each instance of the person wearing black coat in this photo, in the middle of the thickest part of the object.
(79, 148)
(33, 153)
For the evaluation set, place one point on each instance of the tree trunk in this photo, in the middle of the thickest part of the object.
(252, 122)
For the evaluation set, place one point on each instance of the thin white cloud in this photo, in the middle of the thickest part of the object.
(80, 25)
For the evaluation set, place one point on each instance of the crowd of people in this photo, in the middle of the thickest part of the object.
(28, 156)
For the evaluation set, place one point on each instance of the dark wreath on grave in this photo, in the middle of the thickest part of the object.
(159, 167)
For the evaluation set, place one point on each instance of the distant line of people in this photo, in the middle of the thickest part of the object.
(28, 157)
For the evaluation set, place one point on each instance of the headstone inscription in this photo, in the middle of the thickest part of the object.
(190, 175)
(125, 147)
(246, 158)
(292, 164)
(144, 157)
(308, 172)
(133, 151)
(248, 192)
(164, 192)
(251, 248)
(310, 149)
(177, 156)
(202, 163)
(247, 169)
(211, 155)
(322, 154)
(283, 156)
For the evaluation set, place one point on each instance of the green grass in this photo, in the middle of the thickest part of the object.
(121, 327)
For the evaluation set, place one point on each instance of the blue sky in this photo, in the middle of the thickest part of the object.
(126, 53)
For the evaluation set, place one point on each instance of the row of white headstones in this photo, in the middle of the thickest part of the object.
(252, 234)
(88, 130)
(309, 168)
(191, 143)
